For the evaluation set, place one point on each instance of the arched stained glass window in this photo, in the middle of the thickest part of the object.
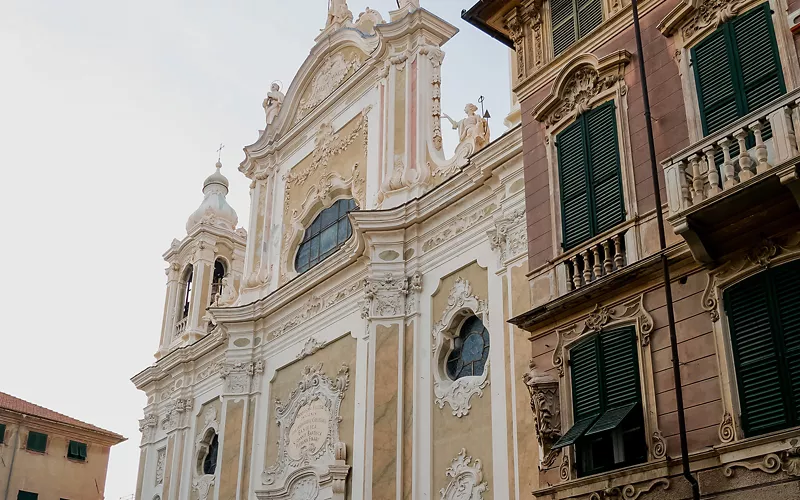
(326, 234)
(470, 350)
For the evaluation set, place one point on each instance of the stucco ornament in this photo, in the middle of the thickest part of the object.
(630, 311)
(384, 296)
(546, 408)
(331, 73)
(273, 102)
(202, 485)
(147, 426)
(309, 449)
(465, 479)
(787, 461)
(162, 457)
(509, 234)
(461, 304)
(710, 14)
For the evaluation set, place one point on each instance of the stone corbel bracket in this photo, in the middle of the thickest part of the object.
(461, 303)
(546, 407)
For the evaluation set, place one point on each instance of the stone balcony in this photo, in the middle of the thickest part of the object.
(720, 200)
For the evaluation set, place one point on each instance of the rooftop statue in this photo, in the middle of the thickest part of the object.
(273, 102)
(338, 12)
(472, 129)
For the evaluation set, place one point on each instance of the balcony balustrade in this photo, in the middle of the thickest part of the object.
(709, 183)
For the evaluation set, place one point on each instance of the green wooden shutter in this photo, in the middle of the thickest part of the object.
(756, 52)
(575, 215)
(606, 178)
(2, 433)
(590, 16)
(787, 293)
(37, 441)
(27, 495)
(620, 367)
(716, 89)
(758, 373)
(586, 398)
(562, 13)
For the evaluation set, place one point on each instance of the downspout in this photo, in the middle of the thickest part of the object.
(673, 339)
(13, 456)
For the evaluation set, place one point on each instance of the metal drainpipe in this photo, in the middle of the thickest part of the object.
(13, 456)
(673, 339)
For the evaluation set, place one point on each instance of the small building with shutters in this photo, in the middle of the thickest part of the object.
(46, 455)
(723, 81)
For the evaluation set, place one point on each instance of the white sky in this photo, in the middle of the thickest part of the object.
(110, 115)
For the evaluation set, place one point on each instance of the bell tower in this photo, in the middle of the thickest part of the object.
(205, 267)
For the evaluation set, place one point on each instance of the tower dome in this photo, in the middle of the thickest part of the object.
(214, 209)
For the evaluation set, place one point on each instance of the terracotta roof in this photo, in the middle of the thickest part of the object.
(11, 403)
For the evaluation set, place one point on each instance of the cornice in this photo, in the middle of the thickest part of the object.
(480, 169)
(420, 19)
(230, 238)
(192, 352)
(99, 436)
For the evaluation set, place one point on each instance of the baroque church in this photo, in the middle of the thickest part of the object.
(352, 342)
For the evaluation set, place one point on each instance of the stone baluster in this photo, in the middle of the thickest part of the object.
(576, 274)
(686, 196)
(744, 157)
(697, 180)
(728, 169)
(619, 260)
(598, 268)
(761, 148)
(608, 264)
(587, 270)
(713, 173)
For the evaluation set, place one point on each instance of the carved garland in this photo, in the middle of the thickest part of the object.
(466, 479)
(457, 393)
(629, 491)
(709, 15)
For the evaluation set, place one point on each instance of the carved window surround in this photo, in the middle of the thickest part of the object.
(613, 25)
(692, 20)
(628, 312)
(582, 84)
(461, 304)
(770, 252)
(202, 482)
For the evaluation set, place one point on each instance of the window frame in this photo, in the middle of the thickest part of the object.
(675, 26)
(27, 495)
(305, 238)
(2, 433)
(452, 347)
(80, 446)
(791, 408)
(734, 64)
(628, 312)
(588, 178)
(37, 435)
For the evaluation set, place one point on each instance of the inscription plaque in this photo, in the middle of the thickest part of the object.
(309, 430)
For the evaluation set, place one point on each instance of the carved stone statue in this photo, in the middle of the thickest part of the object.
(229, 294)
(338, 12)
(408, 4)
(472, 129)
(273, 102)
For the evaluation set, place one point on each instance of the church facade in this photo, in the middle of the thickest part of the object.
(352, 342)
